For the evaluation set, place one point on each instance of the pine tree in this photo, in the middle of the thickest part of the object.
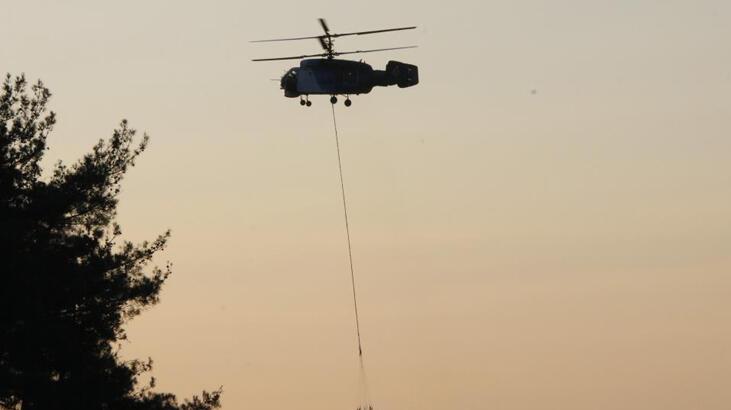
(68, 282)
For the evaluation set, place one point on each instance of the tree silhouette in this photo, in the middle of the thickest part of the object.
(68, 283)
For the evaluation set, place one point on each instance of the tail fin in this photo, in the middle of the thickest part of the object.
(405, 75)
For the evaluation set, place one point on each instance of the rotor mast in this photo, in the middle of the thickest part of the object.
(327, 40)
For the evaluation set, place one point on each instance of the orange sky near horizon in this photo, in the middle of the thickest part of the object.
(568, 249)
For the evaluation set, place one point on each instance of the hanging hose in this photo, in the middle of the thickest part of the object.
(365, 399)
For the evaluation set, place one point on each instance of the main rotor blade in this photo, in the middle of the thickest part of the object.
(290, 58)
(355, 33)
(323, 23)
(373, 50)
(284, 39)
(359, 33)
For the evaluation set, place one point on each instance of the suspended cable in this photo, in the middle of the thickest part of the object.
(365, 405)
(347, 234)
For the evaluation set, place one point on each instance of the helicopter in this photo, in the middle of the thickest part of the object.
(328, 75)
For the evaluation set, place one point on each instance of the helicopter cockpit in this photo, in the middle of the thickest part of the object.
(289, 82)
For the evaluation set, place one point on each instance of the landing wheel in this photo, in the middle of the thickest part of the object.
(303, 102)
(348, 102)
(309, 103)
(333, 100)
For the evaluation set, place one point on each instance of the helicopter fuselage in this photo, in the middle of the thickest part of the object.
(331, 76)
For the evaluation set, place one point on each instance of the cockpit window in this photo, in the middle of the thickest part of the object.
(289, 80)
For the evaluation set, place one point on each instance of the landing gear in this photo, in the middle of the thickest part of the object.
(302, 102)
(348, 102)
(333, 100)
(309, 103)
(305, 101)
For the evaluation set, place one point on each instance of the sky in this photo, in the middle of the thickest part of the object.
(567, 248)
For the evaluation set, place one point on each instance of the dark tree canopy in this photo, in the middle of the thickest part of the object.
(68, 283)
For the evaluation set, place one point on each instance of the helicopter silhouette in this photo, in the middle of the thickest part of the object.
(327, 75)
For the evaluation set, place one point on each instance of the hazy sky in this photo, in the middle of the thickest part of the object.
(568, 249)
